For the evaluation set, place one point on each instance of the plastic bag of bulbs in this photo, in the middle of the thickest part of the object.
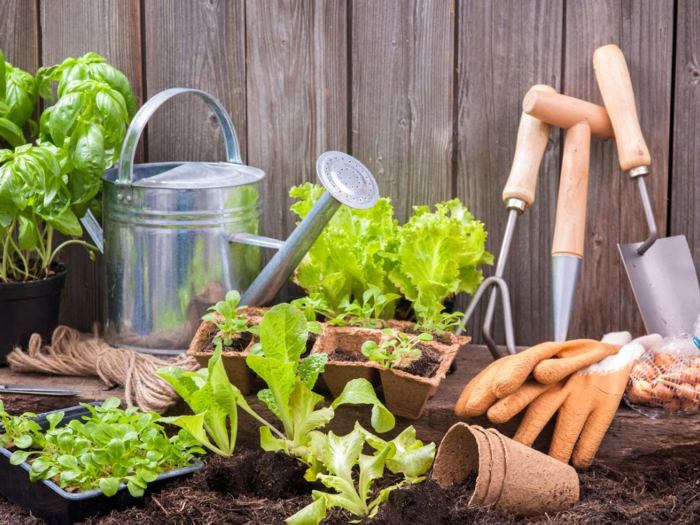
(666, 379)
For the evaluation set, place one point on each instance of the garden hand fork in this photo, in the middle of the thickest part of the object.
(518, 195)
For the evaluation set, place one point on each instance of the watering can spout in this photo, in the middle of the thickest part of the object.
(347, 181)
(94, 230)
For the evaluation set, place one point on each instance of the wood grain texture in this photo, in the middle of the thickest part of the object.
(297, 95)
(503, 49)
(685, 195)
(198, 45)
(72, 28)
(643, 30)
(402, 97)
(19, 33)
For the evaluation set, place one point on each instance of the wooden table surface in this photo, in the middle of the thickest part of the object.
(630, 435)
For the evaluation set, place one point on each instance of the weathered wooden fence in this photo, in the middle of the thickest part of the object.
(426, 92)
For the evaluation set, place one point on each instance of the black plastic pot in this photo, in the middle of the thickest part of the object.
(48, 501)
(27, 308)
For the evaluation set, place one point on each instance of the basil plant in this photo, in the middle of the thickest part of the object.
(50, 173)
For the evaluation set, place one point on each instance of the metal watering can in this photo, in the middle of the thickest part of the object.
(178, 235)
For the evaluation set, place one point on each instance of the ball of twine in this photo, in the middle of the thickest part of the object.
(72, 354)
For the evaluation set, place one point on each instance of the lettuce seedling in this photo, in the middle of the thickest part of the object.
(20, 431)
(290, 380)
(213, 400)
(342, 467)
(440, 323)
(396, 351)
(104, 450)
(229, 322)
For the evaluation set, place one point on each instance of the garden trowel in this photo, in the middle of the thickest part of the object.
(570, 225)
(661, 271)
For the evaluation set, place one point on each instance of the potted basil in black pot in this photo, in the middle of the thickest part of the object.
(47, 184)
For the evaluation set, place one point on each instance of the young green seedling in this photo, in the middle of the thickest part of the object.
(396, 349)
(229, 322)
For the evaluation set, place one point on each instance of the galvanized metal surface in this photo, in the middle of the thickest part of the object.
(167, 250)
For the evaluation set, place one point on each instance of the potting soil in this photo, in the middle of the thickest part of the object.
(254, 487)
(426, 365)
(238, 344)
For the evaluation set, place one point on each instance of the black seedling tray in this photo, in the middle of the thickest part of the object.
(50, 502)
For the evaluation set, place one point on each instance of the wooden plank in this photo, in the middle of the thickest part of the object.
(402, 97)
(198, 45)
(72, 28)
(685, 194)
(643, 30)
(630, 435)
(19, 38)
(503, 49)
(297, 95)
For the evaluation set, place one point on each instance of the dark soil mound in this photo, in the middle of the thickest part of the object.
(426, 365)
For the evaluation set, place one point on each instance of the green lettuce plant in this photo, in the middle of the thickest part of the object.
(105, 449)
(349, 474)
(290, 380)
(229, 321)
(396, 349)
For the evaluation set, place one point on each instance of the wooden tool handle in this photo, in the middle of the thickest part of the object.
(616, 88)
(529, 149)
(564, 112)
(570, 223)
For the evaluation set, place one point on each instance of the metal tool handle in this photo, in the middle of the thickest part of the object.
(618, 96)
(530, 144)
(133, 134)
(564, 111)
(570, 223)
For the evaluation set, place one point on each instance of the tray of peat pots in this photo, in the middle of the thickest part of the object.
(409, 366)
(50, 462)
(234, 329)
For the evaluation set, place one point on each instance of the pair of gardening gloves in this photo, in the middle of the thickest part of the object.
(582, 379)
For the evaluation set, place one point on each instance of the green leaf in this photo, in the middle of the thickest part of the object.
(412, 458)
(24, 441)
(11, 133)
(305, 418)
(312, 514)
(310, 368)
(283, 333)
(360, 392)
(372, 468)
(109, 486)
(268, 442)
(19, 456)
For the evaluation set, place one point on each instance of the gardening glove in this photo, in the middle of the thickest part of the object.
(587, 403)
(506, 375)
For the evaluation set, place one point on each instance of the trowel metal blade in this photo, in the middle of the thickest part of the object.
(665, 284)
(565, 274)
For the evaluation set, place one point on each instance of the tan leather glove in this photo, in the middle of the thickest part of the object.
(587, 403)
(553, 361)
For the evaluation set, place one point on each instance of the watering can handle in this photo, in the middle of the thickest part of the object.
(133, 134)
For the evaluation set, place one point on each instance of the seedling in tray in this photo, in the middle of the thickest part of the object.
(397, 351)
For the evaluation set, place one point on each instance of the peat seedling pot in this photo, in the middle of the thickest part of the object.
(233, 359)
(406, 393)
(510, 477)
(48, 501)
(345, 359)
(27, 308)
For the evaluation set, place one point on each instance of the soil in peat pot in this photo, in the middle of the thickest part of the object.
(238, 344)
(340, 354)
(255, 487)
(426, 365)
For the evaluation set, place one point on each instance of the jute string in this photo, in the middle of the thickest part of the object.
(73, 354)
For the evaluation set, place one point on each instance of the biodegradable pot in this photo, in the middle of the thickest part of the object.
(234, 362)
(520, 480)
(27, 308)
(350, 339)
(46, 500)
(406, 394)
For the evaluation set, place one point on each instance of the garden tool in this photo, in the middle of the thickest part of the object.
(178, 235)
(509, 374)
(661, 271)
(570, 225)
(518, 195)
(37, 390)
(587, 403)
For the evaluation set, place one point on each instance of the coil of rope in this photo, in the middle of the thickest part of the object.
(73, 354)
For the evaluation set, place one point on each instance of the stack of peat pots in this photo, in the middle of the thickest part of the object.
(406, 391)
(510, 477)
